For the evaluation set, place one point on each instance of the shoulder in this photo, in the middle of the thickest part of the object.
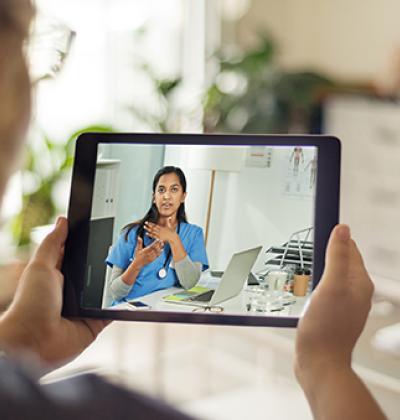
(191, 229)
(128, 234)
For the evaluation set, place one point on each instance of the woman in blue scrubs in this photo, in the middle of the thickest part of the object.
(161, 250)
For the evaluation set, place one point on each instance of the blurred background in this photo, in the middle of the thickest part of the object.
(232, 66)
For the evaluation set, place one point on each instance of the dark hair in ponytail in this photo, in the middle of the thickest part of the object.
(153, 214)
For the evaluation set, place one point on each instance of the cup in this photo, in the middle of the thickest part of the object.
(255, 299)
(276, 281)
(301, 281)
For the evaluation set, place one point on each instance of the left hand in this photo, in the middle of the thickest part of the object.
(162, 233)
(34, 322)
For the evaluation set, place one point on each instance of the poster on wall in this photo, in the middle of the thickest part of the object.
(300, 172)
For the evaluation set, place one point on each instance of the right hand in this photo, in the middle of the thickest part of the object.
(339, 306)
(144, 256)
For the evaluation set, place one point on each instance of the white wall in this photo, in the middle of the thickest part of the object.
(348, 39)
(138, 166)
(250, 208)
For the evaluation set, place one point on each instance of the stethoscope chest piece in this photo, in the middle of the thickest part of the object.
(162, 273)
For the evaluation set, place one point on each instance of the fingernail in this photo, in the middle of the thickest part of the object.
(343, 233)
(59, 219)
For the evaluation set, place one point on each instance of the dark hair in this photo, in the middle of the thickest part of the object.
(152, 214)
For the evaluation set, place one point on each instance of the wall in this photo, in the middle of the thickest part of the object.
(250, 208)
(348, 39)
(138, 167)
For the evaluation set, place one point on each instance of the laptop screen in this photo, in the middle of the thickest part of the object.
(168, 223)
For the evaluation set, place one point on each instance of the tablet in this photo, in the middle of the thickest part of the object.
(218, 229)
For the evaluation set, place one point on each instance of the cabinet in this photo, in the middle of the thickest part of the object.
(104, 208)
(369, 129)
(105, 189)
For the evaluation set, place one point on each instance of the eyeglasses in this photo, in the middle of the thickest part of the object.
(48, 46)
(215, 309)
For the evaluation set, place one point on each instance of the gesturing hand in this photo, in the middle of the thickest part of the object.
(162, 233)
(144, 256)
(34, 322)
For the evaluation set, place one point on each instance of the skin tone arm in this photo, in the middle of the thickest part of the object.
(168, 234)
(34, 322)
(329, 331)
(143, 256)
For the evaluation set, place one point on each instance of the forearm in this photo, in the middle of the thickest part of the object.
(188, 272)
(130, 275)
(338, 393)
(118, 289)
(177, 248)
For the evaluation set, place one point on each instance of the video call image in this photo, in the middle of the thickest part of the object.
(212, 229)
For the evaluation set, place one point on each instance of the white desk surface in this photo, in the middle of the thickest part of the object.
(233, 306)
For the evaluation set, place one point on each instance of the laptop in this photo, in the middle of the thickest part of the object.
(230, 285)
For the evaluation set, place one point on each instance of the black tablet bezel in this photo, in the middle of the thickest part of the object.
(79, 213)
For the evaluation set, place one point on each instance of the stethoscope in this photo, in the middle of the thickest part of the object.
(162, 272)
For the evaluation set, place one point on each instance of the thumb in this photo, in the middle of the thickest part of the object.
(51, 248)
(169, 222)
(337, 254)
(139, 245)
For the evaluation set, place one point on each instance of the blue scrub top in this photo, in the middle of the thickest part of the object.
(148, 281)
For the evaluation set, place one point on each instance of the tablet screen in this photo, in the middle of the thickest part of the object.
(202, 228)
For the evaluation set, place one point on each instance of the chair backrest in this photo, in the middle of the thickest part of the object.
(107, 299)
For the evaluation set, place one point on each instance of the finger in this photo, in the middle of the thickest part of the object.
(355, 255)
(159, 244)
(358, 272)
(50, 249)
(155, 245)
(337, 255)
(154, 230)
(86, 330)
(153, 255)
(169, 222)
(152, 227)
(61, 258)
(151, 231)
(95, 326)
(152, 245)
(159, 249)
(139, 245)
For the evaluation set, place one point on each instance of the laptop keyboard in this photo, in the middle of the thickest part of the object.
(204, 297)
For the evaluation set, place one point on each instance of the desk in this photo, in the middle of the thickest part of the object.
(233, 306)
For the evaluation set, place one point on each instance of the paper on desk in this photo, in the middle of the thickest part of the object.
(207, 280)
(122, 306)
(184, 295)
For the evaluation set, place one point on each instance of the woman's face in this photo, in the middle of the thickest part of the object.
(169, 195)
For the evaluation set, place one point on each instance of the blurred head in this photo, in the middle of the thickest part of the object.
(15, 18)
